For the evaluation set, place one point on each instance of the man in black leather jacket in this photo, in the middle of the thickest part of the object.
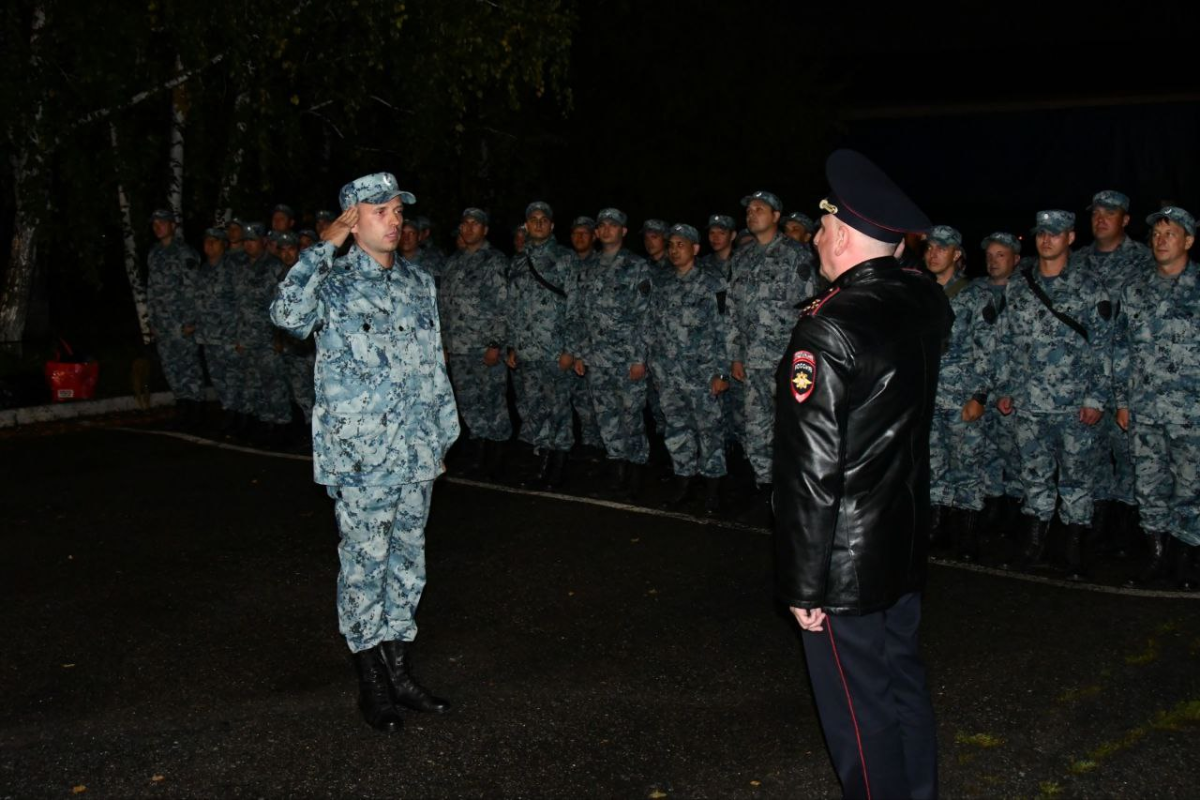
(854, 402)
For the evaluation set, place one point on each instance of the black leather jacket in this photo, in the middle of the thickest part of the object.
(854, 400)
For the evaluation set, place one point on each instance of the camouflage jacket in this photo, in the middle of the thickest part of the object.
(687, 325)
(966, 365)
(537, 314)
(768, 284)
(1156, 350)
(254, 285)
(609, 307)
(473, 301)
(216, 302)
(385, 413)
(1114, 268)
(171, 287)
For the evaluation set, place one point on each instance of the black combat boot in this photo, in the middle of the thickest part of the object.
(539, 480)
(557, 474)
(939, 527)
(712, 496)
(1185, 566)
(374, 697)
(479, 463)
(636, 476)
(677, 494)
(1037, 532)
(405, 689)
(966, 532)
(496, 457)
(1075, 552)
(619, 473)
(1156, 561)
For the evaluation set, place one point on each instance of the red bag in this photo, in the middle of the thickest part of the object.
(70, 378)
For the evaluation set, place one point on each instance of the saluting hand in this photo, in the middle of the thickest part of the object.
(339, 229)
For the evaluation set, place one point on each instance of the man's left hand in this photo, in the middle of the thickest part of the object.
(566, 361)
(810, 619)
(972, 410)
(1090, 416)
(637, 372)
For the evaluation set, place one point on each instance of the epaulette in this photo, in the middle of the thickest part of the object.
(811, 308)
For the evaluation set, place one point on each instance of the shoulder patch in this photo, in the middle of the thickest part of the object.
(803, 375)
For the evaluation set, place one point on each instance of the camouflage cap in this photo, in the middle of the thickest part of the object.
(539, 205)
(654, 226)
(286, 209)
(612, 215)
(216, 233)
(326, 216)
(288, 238)
(310, 233)
(422, 222)
(1000, 237)
(273, 236)
(945, 236)
(803, 219)
(1110, 199)
(767, 197)
(376, 188)
(235, 221)
(253, 230)
(1174, 214)
(722, 221)
(411, 223)
(163, 213)
(1054, 221)
(583, 222)
(477, 214)
(685, 231)
(518, 228)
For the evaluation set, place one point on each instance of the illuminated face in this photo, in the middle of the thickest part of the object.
(681, 252)
(1001, 261)
(472, 231)
(163, 228)
(538, 226)
(410, 237)
(214, 248)
(1054, 245)
(940, 257)
(289, 254)
(825, 242)
(795, 231)
(253, 248)
(760, 217)
(281, 222)
(1169, 242)
(1108, 225)
(378, 228)
(719, 238)
(582, 240)
(610, 233)
(234, 232)
(655, 243)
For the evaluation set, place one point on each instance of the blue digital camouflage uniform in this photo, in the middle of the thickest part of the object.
(686, 351)
(1114, 480)
(265, 393)
(432, 259)
(1003, 473)
(660, 272)
(537, 331)
(1156, 369)
(581, 394)
(960, 453)
(609, 311)
(733, 401)
(216, 324)
(472, 301)
(768, 283)
(384, 418)
(171, 296)
(1051, 372)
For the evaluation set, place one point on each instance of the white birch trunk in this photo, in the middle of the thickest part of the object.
(233, 169)
(131, 264)
(178, 120)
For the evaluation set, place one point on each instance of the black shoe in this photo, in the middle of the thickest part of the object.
(374, 696)
(539, 480)
(759, 512)
(1155, 567)
(557, 473)
(636, 473)
(939, 528)
(496, 454)
(712, 496)
(1037, 532)
(966, 534)
(479, 457)
(618, 475)
(1185, 567)
(405, 689)
(1078, 537)
(677, 494)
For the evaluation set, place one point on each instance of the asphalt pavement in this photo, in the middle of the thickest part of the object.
(169, 631)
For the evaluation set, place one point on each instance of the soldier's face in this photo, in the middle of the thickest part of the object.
(1108, 223)
(681, 252)
(654, 242)
(214, 248)
(281, 222)
(410, 237)
(719, 238)
(940, 257)
(1001, 261)
(538, 226)
(306, 241)
(795, 231)
(472, 231)
(1054, 245)
(253, 247)
(378, 226)
(760, 217)
(609, 232)
(289, 254)
(162, 228)
(234, 232)
(582, 239)
(519, 240)
(1169, 242)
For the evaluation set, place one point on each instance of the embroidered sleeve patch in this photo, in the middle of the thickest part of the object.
(804, 375)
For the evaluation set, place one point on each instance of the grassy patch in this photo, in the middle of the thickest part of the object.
(984, 740)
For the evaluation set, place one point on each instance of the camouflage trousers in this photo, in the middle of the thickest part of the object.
(581, 401)
(758, 438)
(1166, 462)
(1004, 471)
(619, 402)
(180, 359)
(1115, 463)
(482, 396)
(544, 404)
(298, 369)
(694, 429)
(218, 358)
(264, 385)
(1057, 445)
(959, 455)
(382, 555)
(733, 412)
(655, 402)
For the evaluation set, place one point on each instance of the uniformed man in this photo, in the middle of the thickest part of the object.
(583, 258)
(1156, 375)
(472, 302)
(798, 227)
(432, 257)
(654, 239)
(771, 275)
(233, 230)
(608, 316)
(216, 318)
(298, 356)
(518, 238)
(1054, 359)
(721, 230)
(308, 237)
(283, 218)
(959, 450)
(852, 484)
(1113, 258)
(384, 419)
(264, 395)
(323, 220)
(538, 353)
(171, 296)
(687, 358)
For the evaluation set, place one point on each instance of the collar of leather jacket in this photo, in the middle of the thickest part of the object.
(870, 270)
